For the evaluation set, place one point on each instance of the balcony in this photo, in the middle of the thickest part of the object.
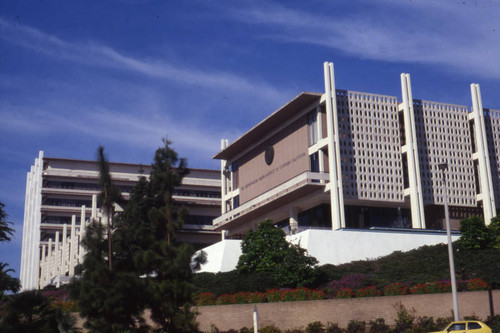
(293, 189)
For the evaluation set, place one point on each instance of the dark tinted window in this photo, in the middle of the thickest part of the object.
(474, 325)
(457, 327)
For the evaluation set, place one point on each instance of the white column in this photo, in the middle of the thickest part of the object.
(416, 200)
(57, 256)
(336, 191)
(64, 258)
(224, 182)
(293, 219)
(72, 247)
(484, 167)
(81, 250)
(94, 207)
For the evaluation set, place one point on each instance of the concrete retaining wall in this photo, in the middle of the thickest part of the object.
(289, 315)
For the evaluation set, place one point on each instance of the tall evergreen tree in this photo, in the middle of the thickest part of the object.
(146, 236)
(109, 195)
(6, 232)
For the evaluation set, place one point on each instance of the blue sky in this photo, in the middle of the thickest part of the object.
(124, 74)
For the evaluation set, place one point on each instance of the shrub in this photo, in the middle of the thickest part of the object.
(333, 328)
(223, 299)
(371, 291)
(206, 299)
(315, 327)
(356, 326)
(493, 322)
(396, 289)
(273, 295)
(476, 284)
(269, 329)
(344, 293)
(431, 287)
(351, 281)
(246, 330)
(425, 324)
(379, 326)
(240, 298)
(404, 318)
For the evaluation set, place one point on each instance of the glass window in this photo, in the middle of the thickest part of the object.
(312, 126)
(474, 325)
(457, 327)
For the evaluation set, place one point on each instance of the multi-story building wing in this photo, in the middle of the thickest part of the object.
(61, 193)
(350, 161)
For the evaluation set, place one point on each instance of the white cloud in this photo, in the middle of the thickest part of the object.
(459, 35)
(95, 54)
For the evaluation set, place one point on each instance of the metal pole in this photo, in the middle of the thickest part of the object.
(443, 167)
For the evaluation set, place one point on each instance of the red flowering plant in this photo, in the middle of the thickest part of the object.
(273, 295)
(205, 299)
(394, 289)
(345, 293)
(256, 297)
(431, 287)
(317, 294)
(370, 291)
(223, 299)
(477, 284)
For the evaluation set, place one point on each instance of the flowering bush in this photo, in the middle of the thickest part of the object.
(352, 281)
(476, 284)
(223, 299)
(256, 297)
(368, 292)
(205, 299)
(396, 289)
(431, 287)
(273, 295)
(345, 293)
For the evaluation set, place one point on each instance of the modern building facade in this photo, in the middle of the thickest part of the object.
(61, 196)
(347, 160)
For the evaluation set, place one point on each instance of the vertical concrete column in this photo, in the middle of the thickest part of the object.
(484, 167)
(81, 250)
(336, 191)
(416, 200)
(57, 256)
(224, 180)
(72, 247)
(64, 256)
(94, 207)
(293, 219)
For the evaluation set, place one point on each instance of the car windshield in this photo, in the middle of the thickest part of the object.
(457, 327)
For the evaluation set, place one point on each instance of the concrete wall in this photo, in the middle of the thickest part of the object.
(289, 315)
(290, 160)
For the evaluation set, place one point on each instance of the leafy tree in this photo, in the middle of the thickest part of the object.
(32, 312)
(494, 229)
(6, 232)
(266, 250)
(109, 195)
(476, 235)
(7, 283)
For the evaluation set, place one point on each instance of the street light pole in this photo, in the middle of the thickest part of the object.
(444, 167)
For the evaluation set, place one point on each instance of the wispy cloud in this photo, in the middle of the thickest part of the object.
(95, 54)
(458, 35)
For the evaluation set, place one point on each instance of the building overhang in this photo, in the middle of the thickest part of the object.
(273, 121)
(298, 187)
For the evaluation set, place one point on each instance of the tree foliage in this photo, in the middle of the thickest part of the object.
(150, 268)
(32, 312)
(109, 195)
(7, 283)
(266, 250)
(476, 235)
(6, 232)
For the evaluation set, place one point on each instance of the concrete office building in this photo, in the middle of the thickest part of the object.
(355, 175)
(61, 193)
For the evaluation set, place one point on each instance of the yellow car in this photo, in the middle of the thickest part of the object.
(466, 326)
